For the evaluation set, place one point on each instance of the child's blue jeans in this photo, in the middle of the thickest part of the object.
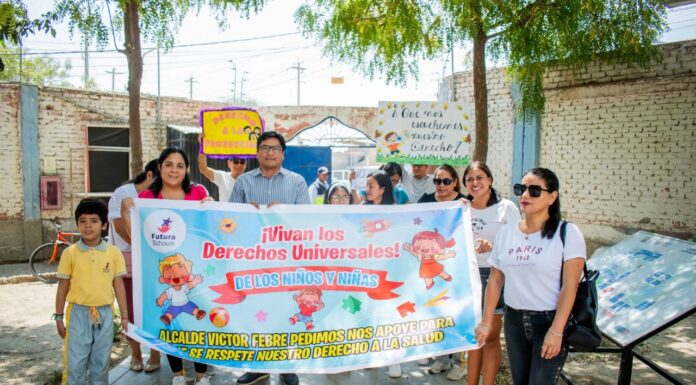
(87, 346)
(524, 336)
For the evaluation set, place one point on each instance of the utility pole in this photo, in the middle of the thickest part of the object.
(113, 77)
(241, 88)
(190, 81)
(299, 69)
(234, 84)
(86, 61)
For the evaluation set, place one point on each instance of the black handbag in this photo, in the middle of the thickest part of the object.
(581, 331)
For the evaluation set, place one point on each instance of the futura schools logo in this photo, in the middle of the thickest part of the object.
(164, 230)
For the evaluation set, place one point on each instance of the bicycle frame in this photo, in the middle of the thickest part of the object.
(61, 239)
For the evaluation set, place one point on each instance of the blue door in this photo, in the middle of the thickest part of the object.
(306, 160)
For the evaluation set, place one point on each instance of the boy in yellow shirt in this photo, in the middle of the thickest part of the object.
(89, 273)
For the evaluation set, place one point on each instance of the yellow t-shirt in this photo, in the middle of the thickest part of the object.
(91, 271)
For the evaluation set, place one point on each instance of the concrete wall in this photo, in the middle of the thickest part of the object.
(621, 138)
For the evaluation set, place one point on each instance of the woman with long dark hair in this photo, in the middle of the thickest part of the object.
(446, 182)
(173, 182)
(379, 189)
(541, 275)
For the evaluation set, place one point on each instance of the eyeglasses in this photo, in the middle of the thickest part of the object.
(534, 190)
(271, 149)
(472, 179)
(238, 161)
(445, 181)
(339, 197)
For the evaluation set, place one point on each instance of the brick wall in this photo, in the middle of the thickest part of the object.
(623, 141)
(12, 207)
(621, 138)
(500, 116)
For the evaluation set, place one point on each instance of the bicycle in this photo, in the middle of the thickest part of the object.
(43, 261)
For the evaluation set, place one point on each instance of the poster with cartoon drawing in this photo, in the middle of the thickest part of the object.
(304, 289)
(424, 132)
(230, 131)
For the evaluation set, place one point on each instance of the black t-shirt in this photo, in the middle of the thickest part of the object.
(427, 198)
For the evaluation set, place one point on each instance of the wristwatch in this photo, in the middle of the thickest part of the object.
(57, 317)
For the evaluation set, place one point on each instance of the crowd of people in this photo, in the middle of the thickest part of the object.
(529, 276)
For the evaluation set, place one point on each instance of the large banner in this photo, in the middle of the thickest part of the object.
(645, 281)
(424, 132)
(306, 289)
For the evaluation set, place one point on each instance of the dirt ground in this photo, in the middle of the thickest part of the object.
(30, 348)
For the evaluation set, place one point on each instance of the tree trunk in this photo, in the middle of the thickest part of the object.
(480, 97)
(135, 73)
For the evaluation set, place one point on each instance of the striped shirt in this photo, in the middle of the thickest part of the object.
(285, 187)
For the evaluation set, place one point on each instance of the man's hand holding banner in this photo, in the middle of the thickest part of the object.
(307, 289)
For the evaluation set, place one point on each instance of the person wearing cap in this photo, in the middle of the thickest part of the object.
(318, 188)
(224, 180)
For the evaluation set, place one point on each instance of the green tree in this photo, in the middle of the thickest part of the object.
(157, 21)
(16, 24)
(389, 36)
(39, 70)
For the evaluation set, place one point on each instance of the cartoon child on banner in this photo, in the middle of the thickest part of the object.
(175, 271)
(429, 248)
(309, 301)
(393, 142)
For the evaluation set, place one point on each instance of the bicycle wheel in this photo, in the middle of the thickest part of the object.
(40, 262)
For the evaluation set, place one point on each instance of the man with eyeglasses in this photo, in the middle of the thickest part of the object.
(270, 184)
(223, 180)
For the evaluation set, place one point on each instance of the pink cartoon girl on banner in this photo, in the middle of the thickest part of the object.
(429, 247)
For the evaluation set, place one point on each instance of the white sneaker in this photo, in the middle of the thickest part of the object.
(203, 381)
(438, 367)
(394, 371)
(179, 380)
(423, 361)
(456, 374)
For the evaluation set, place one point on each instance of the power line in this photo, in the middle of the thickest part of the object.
(175, 46)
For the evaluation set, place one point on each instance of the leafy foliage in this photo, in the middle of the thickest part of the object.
(35, 70)
(388, 36)
(15, 23)
(375, 36)
(159, 19)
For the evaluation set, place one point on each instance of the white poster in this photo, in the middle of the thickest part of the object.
(645, 281)
(424, 132)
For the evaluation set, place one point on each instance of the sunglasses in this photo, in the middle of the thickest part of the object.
(534, 190)
(445, 181)
(238, 161)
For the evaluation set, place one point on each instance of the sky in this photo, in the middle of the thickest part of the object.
(263, 62)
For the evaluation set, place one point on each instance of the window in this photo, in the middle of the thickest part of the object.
(109, 158)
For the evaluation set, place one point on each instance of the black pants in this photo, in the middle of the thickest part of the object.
(177, 365)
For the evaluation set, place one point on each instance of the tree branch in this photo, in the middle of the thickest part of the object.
(113, 33)
(531, 11)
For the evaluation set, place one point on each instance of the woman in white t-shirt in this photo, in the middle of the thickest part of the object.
(541, 277)
(489, 213)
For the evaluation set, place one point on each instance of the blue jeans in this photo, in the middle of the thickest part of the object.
(524, 336)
